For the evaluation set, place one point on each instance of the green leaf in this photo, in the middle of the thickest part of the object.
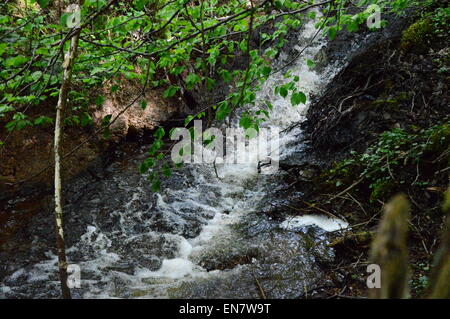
(170, 91)
(140, 4)
(15, 61)
(143, 168)
(146, 165)
(226, 76)
(6, 108)
(160, 132)
(312, 15)
(19, 122)
(36, 75)
(156, 184)
(283, 91)
(191, 80)
(86, 119)
(178, 70)
(245, 121)
(210, 83)
(99, 100)
(97, 70)
(143, 104)
(332, 32)
(200, 115)
(352, 26)
(243, 46)
(166, 170)
(297, 98)
(188, 119)
(223, 111)
(310, 63)
(279, 4)
(3, 48)
(42, 120)
(266, 71)
(106, 120)
(63, 19)
(43, 3)
(157, 144)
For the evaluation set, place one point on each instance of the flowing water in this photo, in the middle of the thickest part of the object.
(200, 236)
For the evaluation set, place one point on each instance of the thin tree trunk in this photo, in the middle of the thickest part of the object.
(62, 101)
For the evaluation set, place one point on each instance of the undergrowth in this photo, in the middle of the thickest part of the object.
(398, 159)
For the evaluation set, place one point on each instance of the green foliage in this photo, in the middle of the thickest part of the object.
(394, 150)
(171, 91)
(297, 98)
(43, 3)
(19, 121)
(434, 23)
(440, 20)
(43, 120)
(150, 42)
(421, 283)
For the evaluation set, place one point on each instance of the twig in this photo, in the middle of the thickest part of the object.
(261, 290)
(215, 169)
(347, 189)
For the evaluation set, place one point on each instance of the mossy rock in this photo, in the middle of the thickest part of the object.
(417, 37)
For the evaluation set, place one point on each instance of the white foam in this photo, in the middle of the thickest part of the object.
(185, 248)
(17, 274)
(5, 289)
(175, 268)
(326, 223)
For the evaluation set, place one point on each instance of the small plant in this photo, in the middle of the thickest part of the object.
(420, 284)
(440, 20)
(394, 149)
(434, 23)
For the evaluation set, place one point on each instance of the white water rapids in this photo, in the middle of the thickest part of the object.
(218, 206)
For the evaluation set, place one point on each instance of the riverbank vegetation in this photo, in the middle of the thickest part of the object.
(386, 136)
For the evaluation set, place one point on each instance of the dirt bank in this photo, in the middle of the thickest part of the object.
(28, 151)
(26, 170)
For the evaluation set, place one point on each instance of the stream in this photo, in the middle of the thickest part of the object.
(200, 236)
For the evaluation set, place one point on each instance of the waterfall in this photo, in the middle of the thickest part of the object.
(172, 246)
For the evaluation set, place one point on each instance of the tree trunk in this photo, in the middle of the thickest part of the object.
(62, 101)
